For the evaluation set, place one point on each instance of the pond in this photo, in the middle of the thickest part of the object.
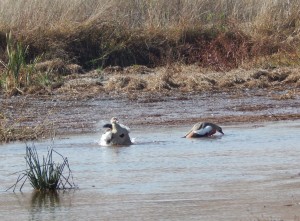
(250, 173)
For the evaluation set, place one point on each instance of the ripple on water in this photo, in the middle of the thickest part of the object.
(162, 174)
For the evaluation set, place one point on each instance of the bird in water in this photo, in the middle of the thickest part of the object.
(116, 134)
(203, 129)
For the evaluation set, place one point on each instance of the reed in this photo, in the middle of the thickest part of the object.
(220, 34)
(30, 15)
(46, 22)
(16, 61)
(17, 72)
(45, 174)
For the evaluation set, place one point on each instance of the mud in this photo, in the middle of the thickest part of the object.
(138, 96)
(69, 116)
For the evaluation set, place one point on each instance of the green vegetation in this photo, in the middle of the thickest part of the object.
(45, 175)
(16, 61)
(219, 35)
(17, 73)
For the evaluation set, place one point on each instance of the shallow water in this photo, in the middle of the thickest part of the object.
(251, 173)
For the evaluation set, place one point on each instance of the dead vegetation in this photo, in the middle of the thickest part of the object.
(80, 49)
(221, 35)
(196, 79)
(14, 130)
(94, 35)
(15, 122)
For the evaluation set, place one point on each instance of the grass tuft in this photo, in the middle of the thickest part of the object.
(45, 174)
(17, 72)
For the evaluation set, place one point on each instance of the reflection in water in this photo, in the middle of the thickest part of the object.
(247, 174)
(44, 202)
(41, 199)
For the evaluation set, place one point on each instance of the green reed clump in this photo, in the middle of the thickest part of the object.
(17, 72)
(45, 174)
(16, 62)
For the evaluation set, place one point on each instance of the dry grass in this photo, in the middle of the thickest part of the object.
(134, 47)
(15, 126)
(194, 79)
(255, 15)
(81, 35)
(13, 130)
(110, 32)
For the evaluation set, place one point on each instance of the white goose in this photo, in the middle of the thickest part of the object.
(203, 129)
(116, 134)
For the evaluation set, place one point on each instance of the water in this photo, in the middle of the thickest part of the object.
(251, 173)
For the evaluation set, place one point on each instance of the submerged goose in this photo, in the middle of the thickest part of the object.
(116, 134)
(203, 129)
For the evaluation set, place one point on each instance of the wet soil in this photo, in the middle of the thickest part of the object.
(66, 115)
(167, 96)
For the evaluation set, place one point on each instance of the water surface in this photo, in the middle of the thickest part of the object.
(251, 173)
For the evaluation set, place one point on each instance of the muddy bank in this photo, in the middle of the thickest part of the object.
(139, 96)
(61, 114)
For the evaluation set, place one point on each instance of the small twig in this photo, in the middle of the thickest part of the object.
(5, 66)
(18, 89)
(23, 183)
(18, 180)
(273, 115)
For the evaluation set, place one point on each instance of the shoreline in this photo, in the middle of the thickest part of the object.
(42, 116)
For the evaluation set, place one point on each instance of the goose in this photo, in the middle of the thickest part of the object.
(203, 129)
(115, 134)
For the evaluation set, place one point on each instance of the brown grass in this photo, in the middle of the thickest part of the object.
(15, 126)
(77, 36)
(194, 79)
(131, 47)
(221, 34)
(255, 15)
(13, 130)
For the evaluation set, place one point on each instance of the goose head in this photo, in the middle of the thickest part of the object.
(114, 120)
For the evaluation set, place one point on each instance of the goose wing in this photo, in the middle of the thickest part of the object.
(125, 127)
(196, 127)
(107, 126)
(106, 138)
(205, 131)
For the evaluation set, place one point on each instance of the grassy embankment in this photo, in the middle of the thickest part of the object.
(52, 39)
(221, 35)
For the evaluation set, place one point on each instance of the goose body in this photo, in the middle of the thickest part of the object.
(106, 138)
(203, 129)
(116, 134)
